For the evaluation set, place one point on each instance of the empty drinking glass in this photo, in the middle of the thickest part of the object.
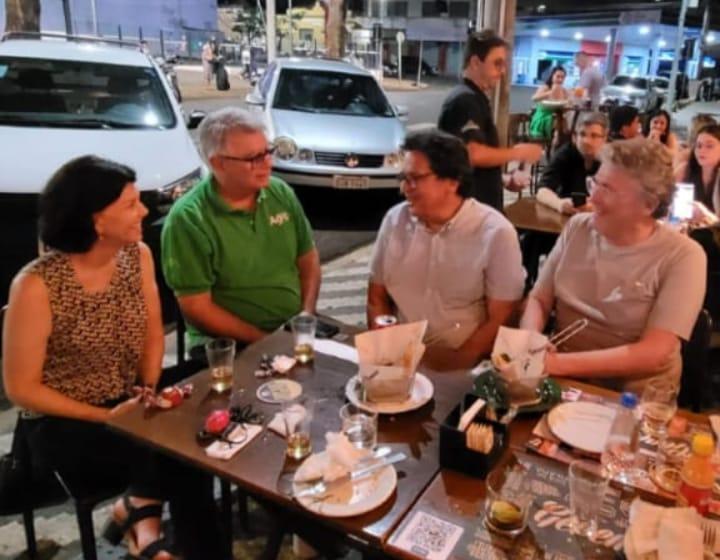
(297, 414)
(303, 328)
(360, 426)
(587, 492)
(221, 359)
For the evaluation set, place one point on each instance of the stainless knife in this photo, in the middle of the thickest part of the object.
(322, 487)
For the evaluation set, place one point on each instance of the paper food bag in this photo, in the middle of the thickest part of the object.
(388, 359)
(512, 357)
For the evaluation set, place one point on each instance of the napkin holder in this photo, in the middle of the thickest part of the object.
(454, 453)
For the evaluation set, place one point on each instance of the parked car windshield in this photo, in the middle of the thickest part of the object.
(70, 94)
(317, 91)
(637, 83)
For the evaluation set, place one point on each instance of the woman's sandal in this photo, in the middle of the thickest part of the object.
(115, 531)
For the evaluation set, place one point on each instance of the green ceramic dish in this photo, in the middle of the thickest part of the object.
(491, 388)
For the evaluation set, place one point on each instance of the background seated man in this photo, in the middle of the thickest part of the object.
(639, 282)
(237, 249)
(445, 257)
(569, 168)
(624, 123)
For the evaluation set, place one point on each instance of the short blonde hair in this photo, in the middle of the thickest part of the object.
(650, 163)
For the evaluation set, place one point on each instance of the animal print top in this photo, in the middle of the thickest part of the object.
(96, 342)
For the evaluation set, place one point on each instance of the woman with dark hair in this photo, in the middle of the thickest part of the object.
(552, 90)
(703, 170)
(657, 127)
(83, 328)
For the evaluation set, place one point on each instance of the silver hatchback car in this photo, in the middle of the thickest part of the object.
(331, 123)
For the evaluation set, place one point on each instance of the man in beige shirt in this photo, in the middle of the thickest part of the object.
(639, 283)
(445, 257)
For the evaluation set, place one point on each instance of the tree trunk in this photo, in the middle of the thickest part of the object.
(335, 12)
(22, 15)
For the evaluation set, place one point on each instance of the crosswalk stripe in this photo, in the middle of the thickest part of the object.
(343, 286)
(351, 271)
(347, 301)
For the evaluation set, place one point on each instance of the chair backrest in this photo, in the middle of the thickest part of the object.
(695, 352)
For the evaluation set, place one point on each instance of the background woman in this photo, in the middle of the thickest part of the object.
(83, 327)
(541, 124)
(657, 128)
(639, 282)
(703, 170)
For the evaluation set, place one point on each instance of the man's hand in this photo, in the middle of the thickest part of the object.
(567, 208)
(530, 153)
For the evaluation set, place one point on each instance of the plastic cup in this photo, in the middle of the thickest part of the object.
(221, 362)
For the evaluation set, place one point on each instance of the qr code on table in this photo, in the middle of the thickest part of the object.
(429, 537)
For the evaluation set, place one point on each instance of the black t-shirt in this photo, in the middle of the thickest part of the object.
(566, 173)
(466, 113)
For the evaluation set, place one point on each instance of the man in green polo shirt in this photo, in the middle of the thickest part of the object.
(237, 249)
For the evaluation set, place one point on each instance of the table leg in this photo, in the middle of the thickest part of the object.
(226, 517)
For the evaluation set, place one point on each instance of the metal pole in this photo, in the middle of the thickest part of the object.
(703, 33)
(399, 60)
(610, 54)
(270, 30)
(420, 59)
(68, 17)
(480, 15)
(93, 11)
(672, 90)
(290, 25)
(162, 44)
(119, 32)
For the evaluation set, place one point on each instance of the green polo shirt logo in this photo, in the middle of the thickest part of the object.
(279, 219)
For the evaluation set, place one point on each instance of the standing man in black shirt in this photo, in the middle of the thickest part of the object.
(467, 113)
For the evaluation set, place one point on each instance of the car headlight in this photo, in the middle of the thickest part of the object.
(170, 193)
(305, 156)
(394, 159)
(285, 148)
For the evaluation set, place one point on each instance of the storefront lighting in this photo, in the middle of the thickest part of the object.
(544, 33)
(541, 8)
(710, 38)
(608, 38)
(662, 43)
(644, 29)
(578, 36)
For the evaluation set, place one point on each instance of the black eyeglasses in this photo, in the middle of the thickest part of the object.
(257, 159)
(413, 179)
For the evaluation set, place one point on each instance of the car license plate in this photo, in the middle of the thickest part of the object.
(351, 182)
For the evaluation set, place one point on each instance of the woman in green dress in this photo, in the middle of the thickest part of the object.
(541, 124)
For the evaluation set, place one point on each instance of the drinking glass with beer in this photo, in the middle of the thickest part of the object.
(303, 328)
(221, 360)
(297, 414)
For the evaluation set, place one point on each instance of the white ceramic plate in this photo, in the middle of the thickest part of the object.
(352, 498)
(277, 390)
(422, 392)
(582, 425)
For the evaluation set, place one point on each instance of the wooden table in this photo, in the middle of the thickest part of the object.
(459, 498)
(529, 215)
(261, 468)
